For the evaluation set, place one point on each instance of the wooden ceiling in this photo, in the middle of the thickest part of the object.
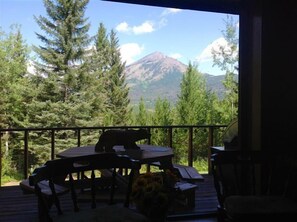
(222, 6)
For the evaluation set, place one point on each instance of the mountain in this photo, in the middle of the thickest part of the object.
(154, 67)
(157, 75)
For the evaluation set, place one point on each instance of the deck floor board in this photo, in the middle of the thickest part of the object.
(18, 207)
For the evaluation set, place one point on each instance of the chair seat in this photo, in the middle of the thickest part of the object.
(111, 213)
(251, 206)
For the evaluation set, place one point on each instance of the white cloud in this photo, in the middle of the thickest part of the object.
(206, 55)
(169, 11)
(145, 27)
(175, 55)
(122, 27)
(129, 51)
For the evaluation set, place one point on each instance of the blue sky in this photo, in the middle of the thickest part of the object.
(182, 34)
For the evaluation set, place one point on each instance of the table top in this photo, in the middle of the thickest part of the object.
(146, 153)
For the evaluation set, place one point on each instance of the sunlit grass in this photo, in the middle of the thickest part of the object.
(201, 165)
(10, 179)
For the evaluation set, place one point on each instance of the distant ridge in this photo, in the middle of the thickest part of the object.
(157, 75)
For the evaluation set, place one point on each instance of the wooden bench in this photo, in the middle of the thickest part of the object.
(186, 173)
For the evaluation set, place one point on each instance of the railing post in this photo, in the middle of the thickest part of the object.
(190, 147)
(210, 144)
(0, 157)
(78, 137)
(170, 136)
(26, 137)
(149, 140)
(53, 144)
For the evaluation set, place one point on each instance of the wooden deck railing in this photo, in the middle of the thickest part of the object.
(190, 129)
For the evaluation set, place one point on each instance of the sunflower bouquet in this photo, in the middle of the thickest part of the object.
(152, 193)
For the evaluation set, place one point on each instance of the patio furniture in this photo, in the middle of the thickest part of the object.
(148, 154)
(59, 172)
(254, 186)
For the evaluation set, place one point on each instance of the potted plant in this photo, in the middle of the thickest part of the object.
(153, 194)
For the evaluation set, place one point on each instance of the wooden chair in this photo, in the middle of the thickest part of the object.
(254, 186)
(60, 173)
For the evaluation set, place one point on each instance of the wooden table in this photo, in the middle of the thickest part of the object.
(145, 155)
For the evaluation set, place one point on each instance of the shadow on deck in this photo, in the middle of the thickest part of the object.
(16, 206)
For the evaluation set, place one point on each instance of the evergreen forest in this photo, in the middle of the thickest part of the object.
(77, 80)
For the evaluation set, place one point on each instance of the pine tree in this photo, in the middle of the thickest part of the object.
(98, 66)
(61, 75)
(13, 62)
(100, 55)
(15, 90)
(109, 78)
(142, 116)
(162, 116)
(192, 109)
(191, 104)
(4, 79)
(116, 88)
(62, 56)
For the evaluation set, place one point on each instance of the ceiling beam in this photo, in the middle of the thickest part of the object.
(221, 6)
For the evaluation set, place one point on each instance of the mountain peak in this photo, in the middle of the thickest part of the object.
(154, 67)
(154, 56)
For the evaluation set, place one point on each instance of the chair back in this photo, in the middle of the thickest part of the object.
(251, 173)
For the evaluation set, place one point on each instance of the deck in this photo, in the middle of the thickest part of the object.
(18, 207)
